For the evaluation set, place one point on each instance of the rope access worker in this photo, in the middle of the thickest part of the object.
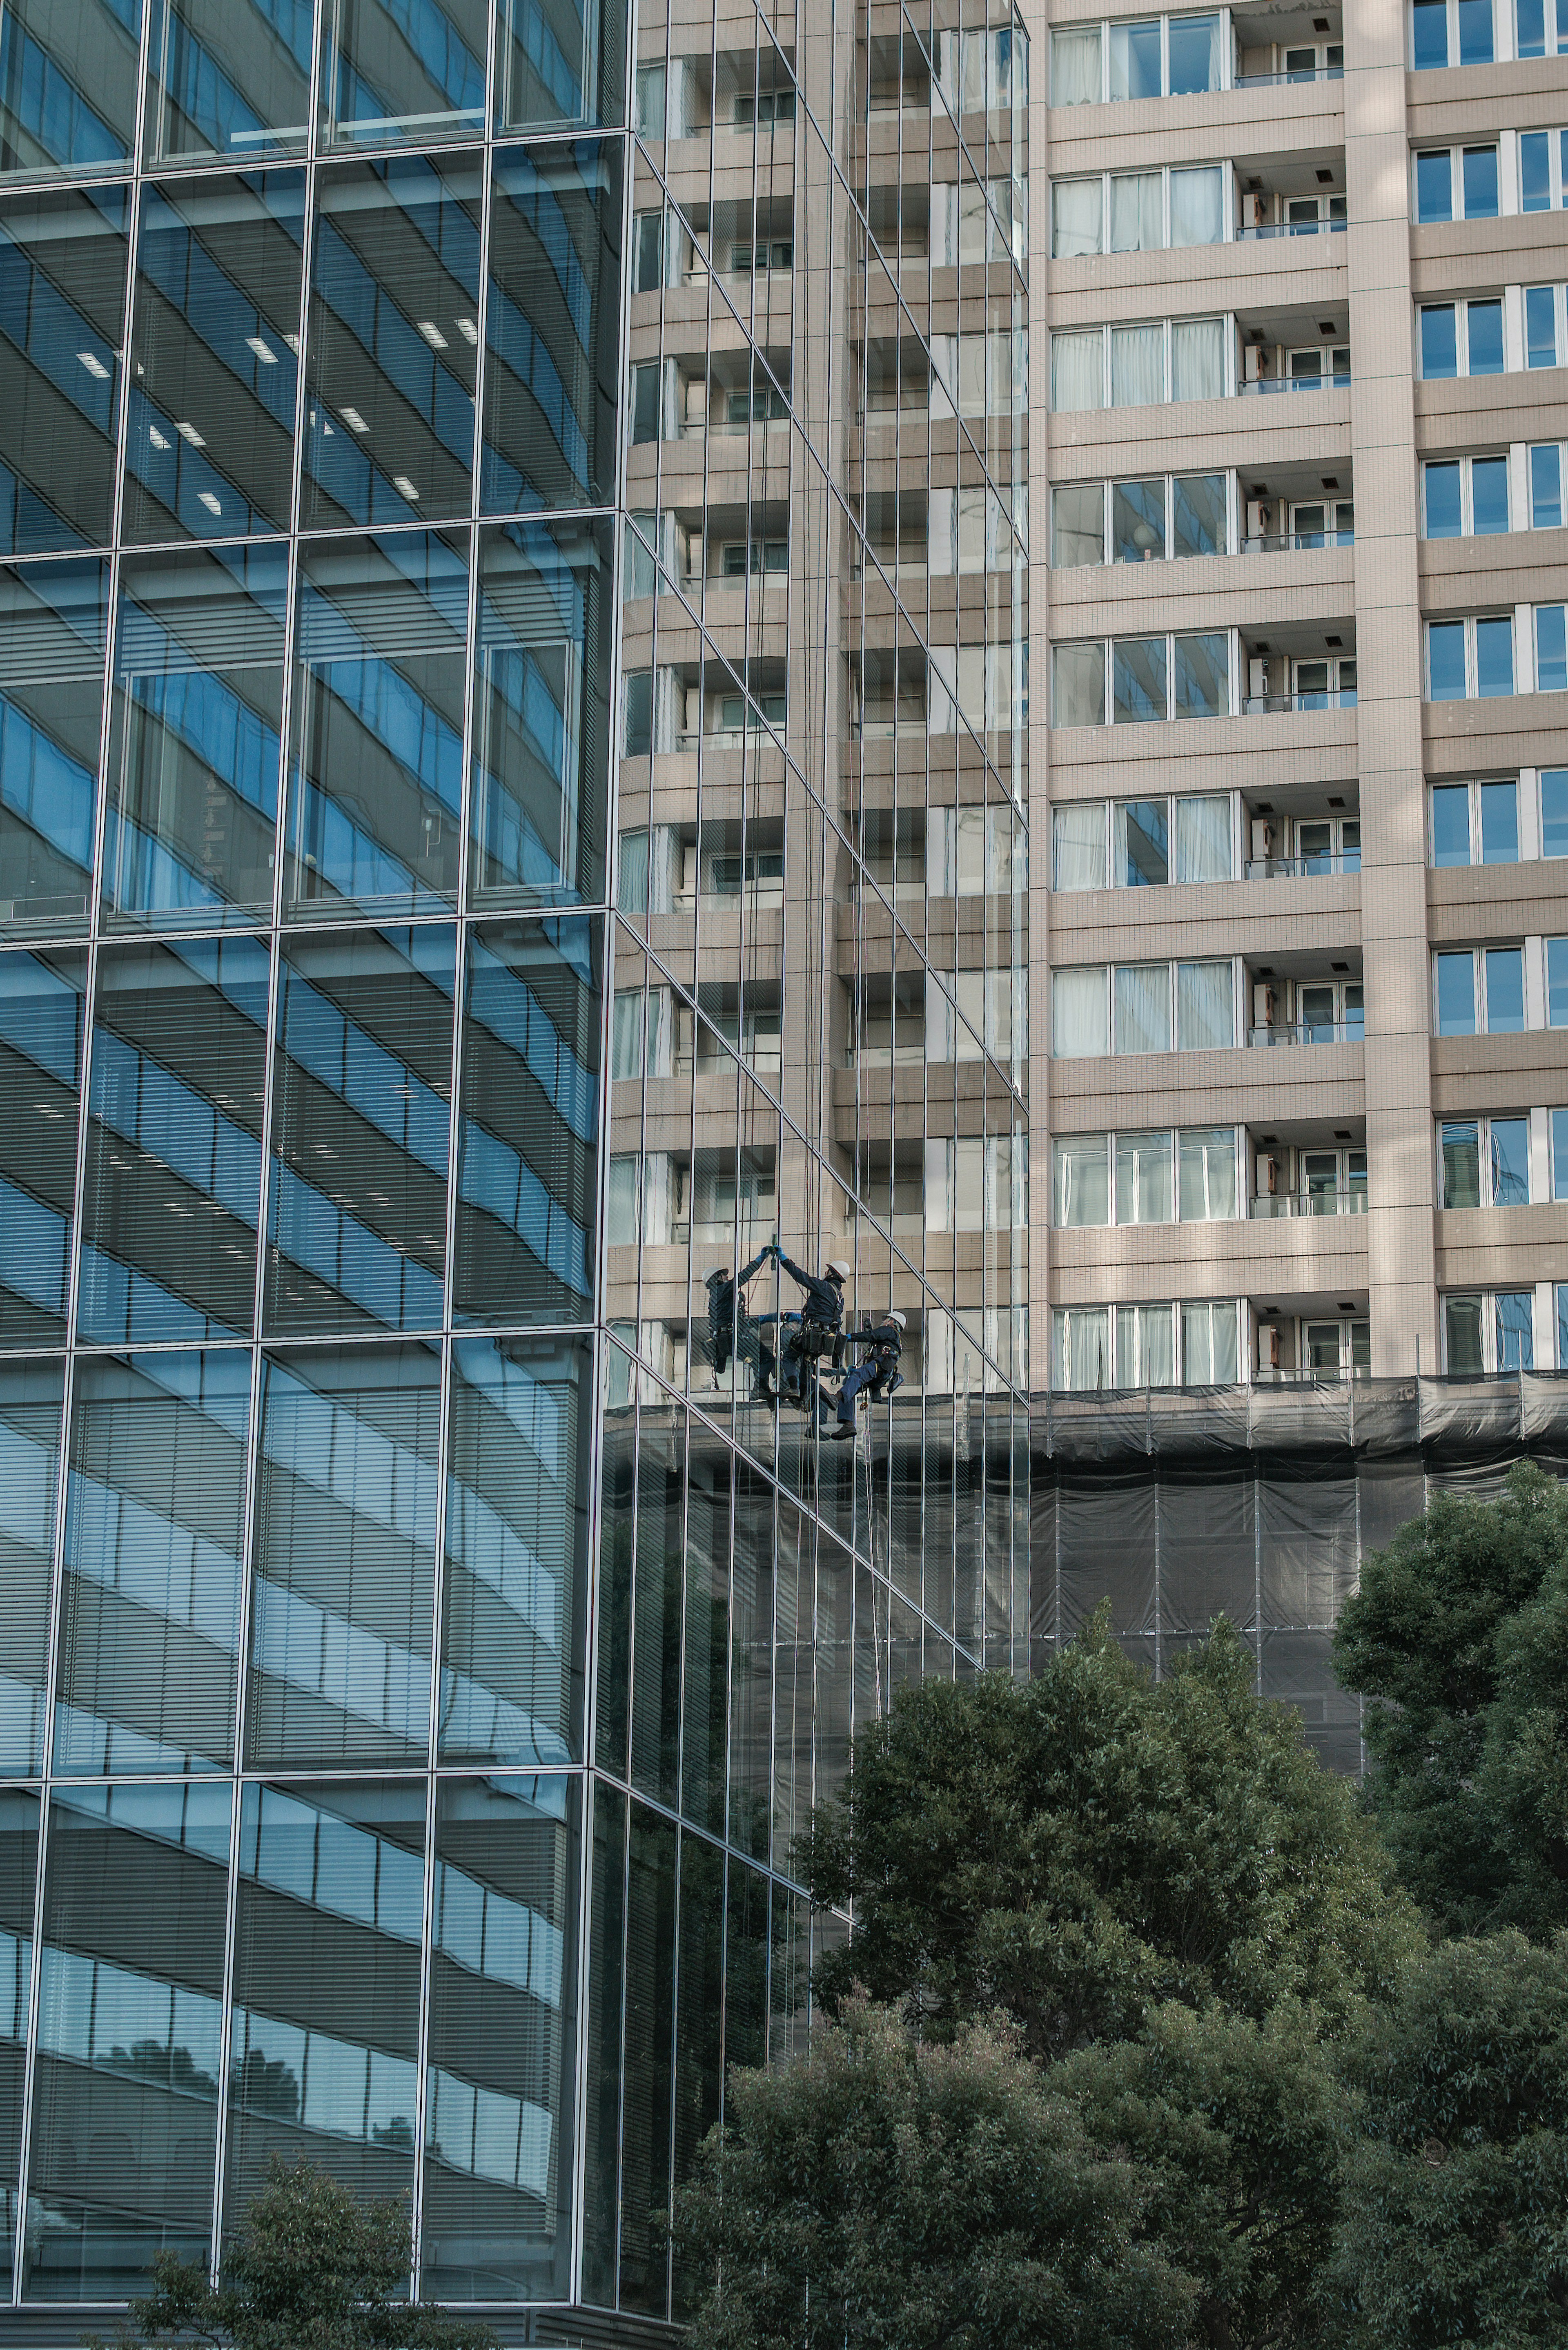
(818, 1331)
(731, 1330)
(877, 1369)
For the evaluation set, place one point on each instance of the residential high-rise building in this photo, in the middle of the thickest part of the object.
(512, 802)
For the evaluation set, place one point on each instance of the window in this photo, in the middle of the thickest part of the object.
(1326, 1012)
(1484, 1162)
(1554, 813)
(1558, 1120)
(1141, 366)
(1314, 365)
(1456, 184)
(1488, 1331)
(1546, 474)
(1152, 841)
(1154, 1346)
(1328, 844)
(1150, 678)
(1541, 159)
(1323, 521)
(1557, 983)
(1465, 498)
(1475, 824)
(1550, 650)
(1155, 57)
(1140, 212)
(1452, 33)
(1129, 1008)
(1479, 991)
(1461, 339)
(1468, 660)
(755, 555)
(1329, 684)
(1163, 515)
(1541, 30)
(1543, 327)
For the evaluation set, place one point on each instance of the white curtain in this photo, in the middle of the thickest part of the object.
(1138, 224)
(939, 1184)
(1146, 1346)
(627, 1034)
(969, 1183)
(1077, 523)
(1209, 1343)
(1197, 206)
(1078, 685)
(1080, 845)
(1203, 839)
(1075, 218)
(970, 987)
(1076, 67)
(620, 1204)
(1080, 1346)
(1138, 366)
(1143, 1007)
(1083, 1188)
(1144, 1187)
(1078, 371)
(1207, 1173)
(1205, 1014)
(1198, 359)
(1079, 1013)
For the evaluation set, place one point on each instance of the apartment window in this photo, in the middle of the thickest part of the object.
(1464, 497)
(1153, 57)
(1554, 813)
(1484, 1162)
(1541, 30)
(1151, 842)
(1451, 33)
(1488, 1331)
(1144, 1007)
(1328, 684)
(768, 107)
(1326, 364)
(1143, 521)
(1159, 1177)
(755, 554)
(1557, 983)
(1142, 365)
(1550, 650)
(1140, 212)
(1542, 154)
(1543, 327)
(1194, 1344)
(1475, 824)
(1456, 184)
(1479, 991)
(1141, 679)
(777, 253)
(1546, 474)
(1468, 660)
(1461, 339)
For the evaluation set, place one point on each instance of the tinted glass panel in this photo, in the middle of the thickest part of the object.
(67, 90)
(1137, 520)
(1199, 514)
(1137, 676)
(1554, 811)
(1461, 1163)
(1511, 1162)
(1439, 345)
(18, 1867)
(1443, 514)
(232, 78)
(404, 69)
(30, 1396)
(1489, 494)
(62, 303)
(41, 1014)
(53, 630)
(1452, 824)
(1499, 824)
(1483, 322)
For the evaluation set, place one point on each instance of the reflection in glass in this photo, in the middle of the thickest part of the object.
(327, 1984)
(150, 1608)
(231, 78)
(376, 785)
(528, 1137)
(541, 719)
(551, 329)
(357, 1225)
(169, 1198)
(129, 2009)
(394, 311)
(516, 1544)
(68, 85)
(62, 302)
(30, 1396)
(53, 630)
(502, 2039)
(404, 69)
(18, 1869)
(557, 62)
(41, 1013)
(345, 1556)
(210, 435)
(195, 738)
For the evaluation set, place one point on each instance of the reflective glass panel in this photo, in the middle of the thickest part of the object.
(1457, 994)
(527, 1140)
(1494, 655)
(1489, 494)
(209, 441)
(394, 311)
(1078, 523)
(1438, 346)
(1554, 811)
(1446, 660)
(68, 85)
(1431, 34)
(41, 1014)
(1484, 326)
(1499, 824)
(1138, 675)
(1199, 515)
(362, 1088)
(1461, 1162)
(62, 305)
(1510, 1162)
(53, 630)
(195, 737)
(1137, 520)
(1540, 326)
(343, 1575)
(18, 1867)
(376, 765)
(1546, 487)
(230, 78)
(1142, 831)
(1463, 1331)
(149, 1635)
(130, 2037)
(403, 69)
(557, 62)
(1515, 1310)
(1504, 990)
(1434, 187)
(1557, 983)
(30, 1396)
(1475, 31)
(1200, 676)
(1134, 59)
(1195, 54)
(1443, 514)
(171, 1190)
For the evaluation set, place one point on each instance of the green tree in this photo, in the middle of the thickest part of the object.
(313, 2268)
(1455, 2193)
(886, 2194)
(1459, 1636)
(1083, 1847)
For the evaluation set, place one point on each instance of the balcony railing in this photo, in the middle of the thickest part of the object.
(1351, 1202)
(1312, 1032)
(1297, 383)
(1296, 542)
(1275, 82)
(1313, 1375)
(1294, 228)
(1301, 868)
(1266, 705)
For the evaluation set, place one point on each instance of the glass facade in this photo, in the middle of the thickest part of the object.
(512, 788)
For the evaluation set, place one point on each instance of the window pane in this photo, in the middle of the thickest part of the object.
(1137, 520)
(1195, 54)
(30, 1396)
(1438, 346)
(219, 89)
(1205, 1006)
(502, 2039)
(209, 434)
(1138, 366)
(1557, 983)
(53, 631)
(527, 1146)
(1075, 209)
(376, 782)
(1560, 1177)
(67, 97)
(172, 1187)
(62, 267)
(41, 1005)
(1511, 1162)
(1499, 824)
(1475, 31)
(1208, 1345)
(1078, 685)
(1200, 520)
(1535, 170)
(1480, 183)
(1444, 516)
(1431, 34)
(1080, 1347)
(1200, 676)
(1452, 824)
(1143, 1007)
(1483, 327)
(1504, 990)
(18, 1865)
(1197, 201)
(1463, 1331)
(1550, 650)
(1554, 816)
(1198, 359)
(551, 329)
(1144, 1190)
(1446, 660)
(1488, 494)
(1078, 525)
(393, 71)
(1135, 60)
(551, 68)
(1141, 829)
(1515, 1310)
(1530, 19)
(1137, 209)
(1077, 371)
(541, 715)
(394, 286)
(1461, 1163)
(1457, 994)
(362, 1087)
(1494, 656)
(1540, 326)
(1546, 487)
(1076, 67)
(1080, 844)
(1138, 675)
(1080, 1018)
(1206, 1162)
(130, 2037)
(1082, 1179)
(1203, 839)
(327, 1984)
(1434, 190)
(195, 737)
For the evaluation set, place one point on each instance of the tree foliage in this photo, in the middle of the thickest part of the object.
(1459, 1636)
(1079, 1849)
(313, 2268)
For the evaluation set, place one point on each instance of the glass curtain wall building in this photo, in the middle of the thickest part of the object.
(513, 616)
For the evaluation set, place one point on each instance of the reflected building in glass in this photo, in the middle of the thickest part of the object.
(512, 788)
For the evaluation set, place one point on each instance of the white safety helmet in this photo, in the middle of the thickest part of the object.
(717, 1273)
(898, 1318)
(835, 1264)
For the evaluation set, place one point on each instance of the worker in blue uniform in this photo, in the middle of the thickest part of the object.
(816, 1330)
(878, 1369)
(732, 1333)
